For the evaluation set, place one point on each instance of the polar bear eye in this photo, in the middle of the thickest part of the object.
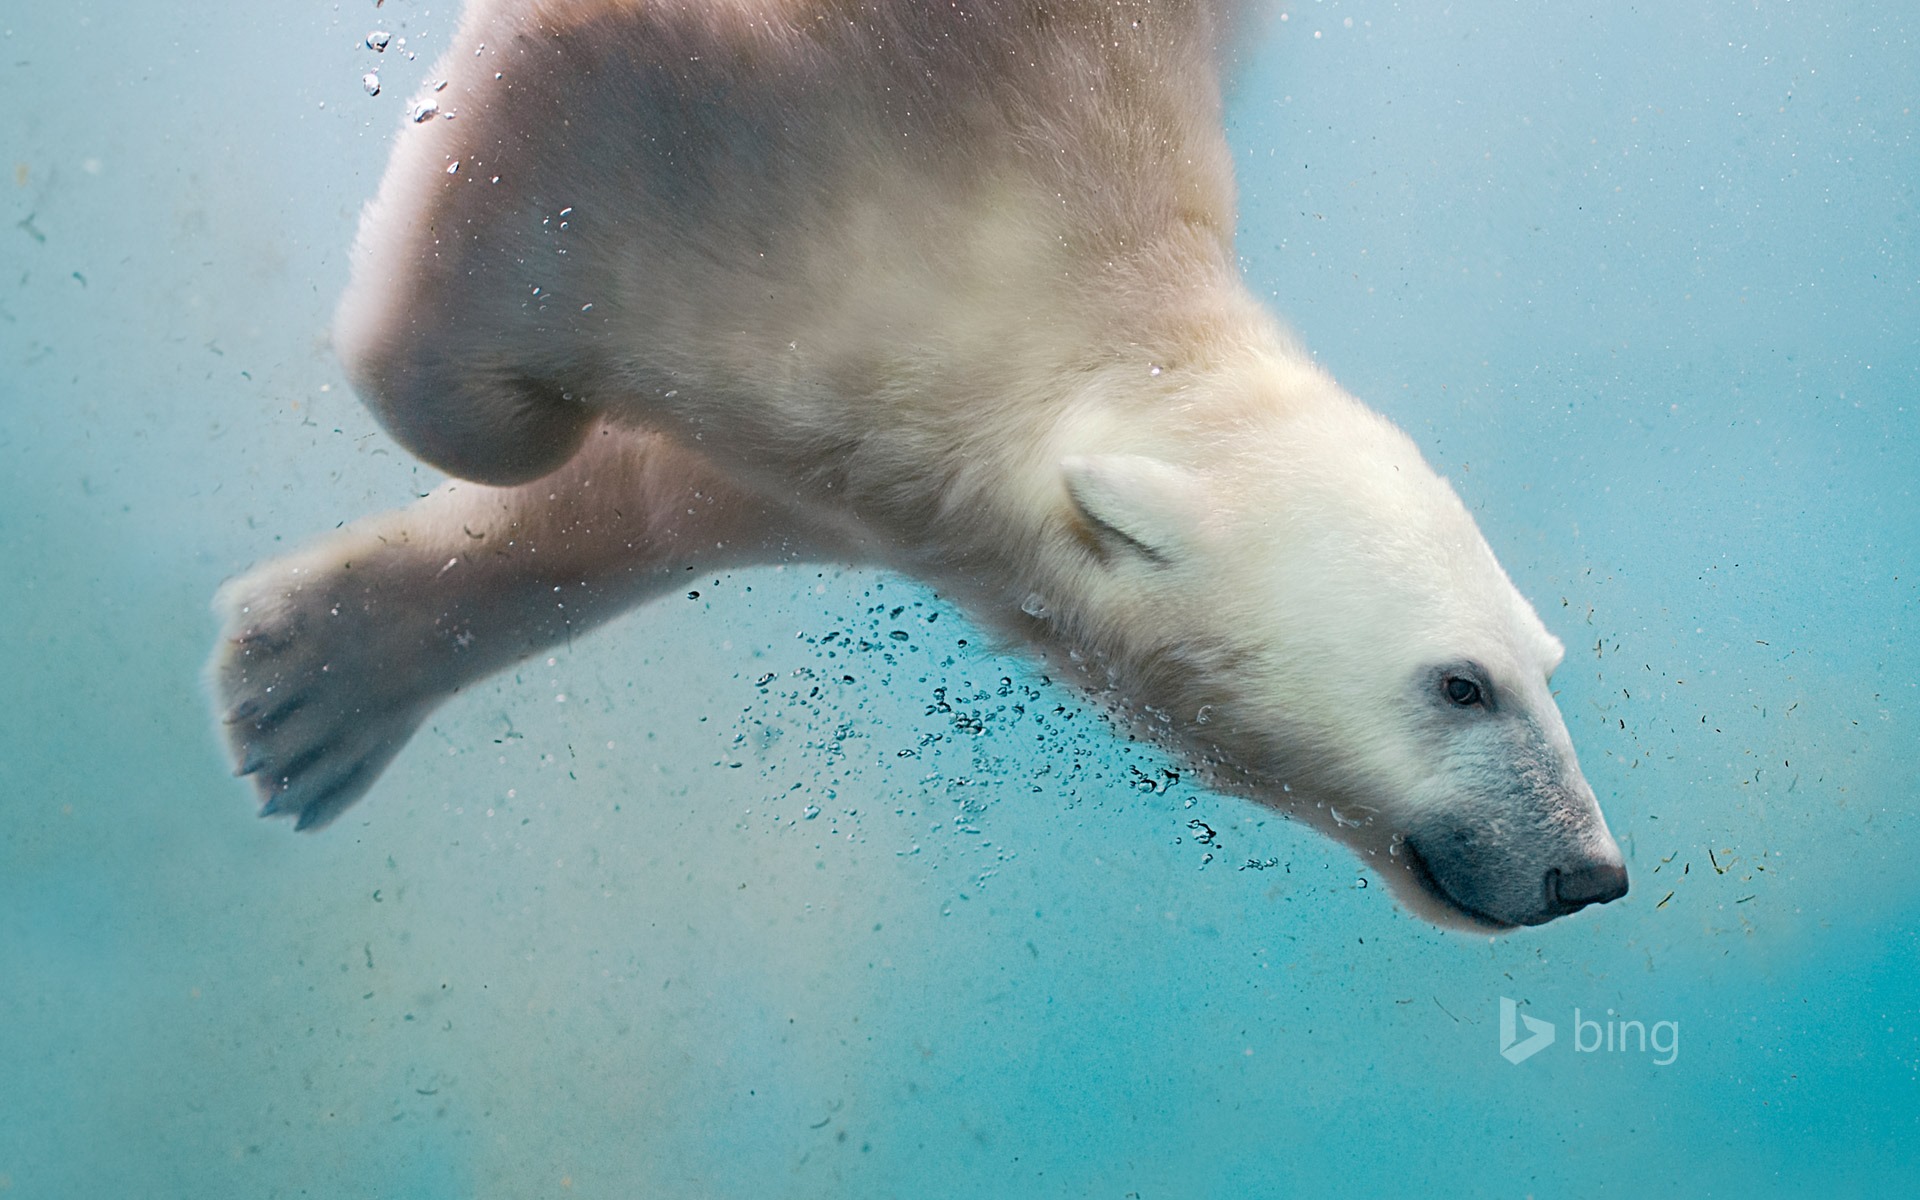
(1464, 692)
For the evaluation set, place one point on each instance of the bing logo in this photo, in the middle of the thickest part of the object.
(1589, 1036)
(1539, 1033)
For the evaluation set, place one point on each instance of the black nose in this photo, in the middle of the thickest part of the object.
(1571, 891)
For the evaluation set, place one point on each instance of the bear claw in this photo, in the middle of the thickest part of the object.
(313, 710)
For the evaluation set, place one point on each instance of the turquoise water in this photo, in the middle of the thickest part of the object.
(1645, 284)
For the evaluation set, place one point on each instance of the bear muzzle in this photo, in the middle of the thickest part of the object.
(1569, 891)
(1487, 892)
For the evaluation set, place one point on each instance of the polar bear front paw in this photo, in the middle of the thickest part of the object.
(313, 688)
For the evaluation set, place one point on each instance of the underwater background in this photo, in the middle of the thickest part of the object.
(800, 888)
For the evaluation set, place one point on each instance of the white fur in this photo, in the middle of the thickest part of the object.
(946, 288)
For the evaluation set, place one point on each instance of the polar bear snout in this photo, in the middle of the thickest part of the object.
(1488, 882)
(1569, 891)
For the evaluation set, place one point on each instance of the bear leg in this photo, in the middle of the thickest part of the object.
(487, 426)
(331, 657)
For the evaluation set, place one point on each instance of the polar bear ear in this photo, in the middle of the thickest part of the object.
(1137, 504)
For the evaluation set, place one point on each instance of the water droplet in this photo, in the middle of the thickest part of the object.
(439, 85)
(453, 168)
(425, 110)
(588, 307)
(1035, 605)
(1204, 715)
(371, 82)
(378, 39)
(1155, 370)
(811, 811)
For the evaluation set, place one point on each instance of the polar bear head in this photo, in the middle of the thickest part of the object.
(1308, 609)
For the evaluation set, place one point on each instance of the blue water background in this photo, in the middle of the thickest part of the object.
(1642, 280)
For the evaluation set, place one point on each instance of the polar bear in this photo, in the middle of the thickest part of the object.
(945, 288)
